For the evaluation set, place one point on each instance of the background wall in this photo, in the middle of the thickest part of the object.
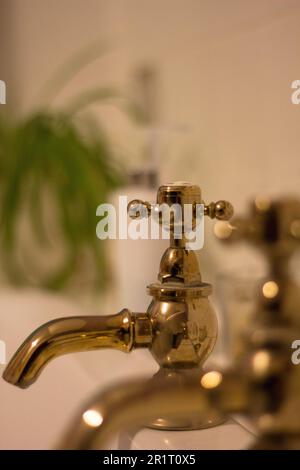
(225, 70)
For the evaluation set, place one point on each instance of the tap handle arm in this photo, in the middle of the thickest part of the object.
(273, 225)
(221, 210)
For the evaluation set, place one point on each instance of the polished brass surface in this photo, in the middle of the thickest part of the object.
(179, 327)
(179, 265)
(263, 383)
(186, 337)
(178, 378)
(184, 324)
(73, 334)
(272, 228)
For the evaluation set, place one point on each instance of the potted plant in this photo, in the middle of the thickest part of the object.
(56, 168)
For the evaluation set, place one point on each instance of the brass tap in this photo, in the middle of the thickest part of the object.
(273, 227)
(263, 383)
(179, 327)
(123, 405)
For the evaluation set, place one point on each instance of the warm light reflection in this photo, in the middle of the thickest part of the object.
(34, 343)
(270, 289)
(92, 418)
(211, 379)
(265, 421)
(262, 203)
(295, 228)
(164, 308)
(125, 321)
(261, 362)
(223, 230)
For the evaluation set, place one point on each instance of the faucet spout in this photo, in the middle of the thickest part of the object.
(123, 406)
(68, 335)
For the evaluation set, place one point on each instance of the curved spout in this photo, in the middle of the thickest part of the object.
(68, 335)
(137, 403)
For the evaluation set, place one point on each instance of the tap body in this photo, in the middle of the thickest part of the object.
(179, 327)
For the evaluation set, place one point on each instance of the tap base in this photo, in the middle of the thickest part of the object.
(180, 377)
(169, 424)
